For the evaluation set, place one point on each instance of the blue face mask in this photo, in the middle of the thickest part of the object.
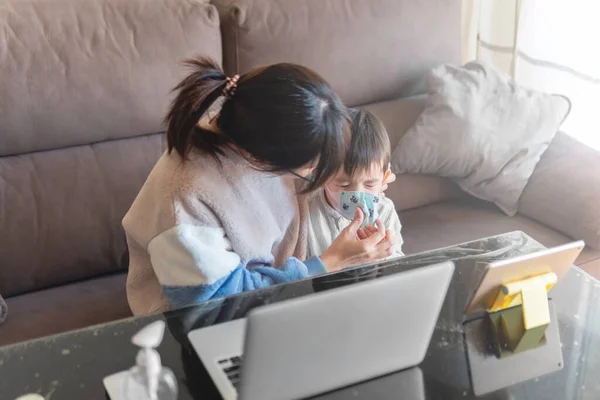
(367, 202)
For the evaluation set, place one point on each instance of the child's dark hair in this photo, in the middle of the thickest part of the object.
(283, 115)
(369, 143)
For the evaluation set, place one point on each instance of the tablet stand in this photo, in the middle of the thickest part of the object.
(519, 315)
(490, 373)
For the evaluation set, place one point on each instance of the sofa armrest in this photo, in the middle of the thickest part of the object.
(564, 190)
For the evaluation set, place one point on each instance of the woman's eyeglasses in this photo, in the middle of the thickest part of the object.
(304, 178)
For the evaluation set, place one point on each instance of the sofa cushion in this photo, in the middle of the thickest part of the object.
(65, 308)
(368, 50)
(458, 221)
(410, 191)
(78, 72)
(61, 211)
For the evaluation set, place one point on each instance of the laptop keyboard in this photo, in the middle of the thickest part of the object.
(231, 367)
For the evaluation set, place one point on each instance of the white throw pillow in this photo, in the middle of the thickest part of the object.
(482, 130)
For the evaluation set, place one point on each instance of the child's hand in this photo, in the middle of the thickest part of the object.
(364, 233)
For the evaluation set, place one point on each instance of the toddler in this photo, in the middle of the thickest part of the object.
(358, 183)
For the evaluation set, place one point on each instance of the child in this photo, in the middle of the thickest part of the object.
(357, 184)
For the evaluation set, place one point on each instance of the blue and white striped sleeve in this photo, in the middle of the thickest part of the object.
(196, 263)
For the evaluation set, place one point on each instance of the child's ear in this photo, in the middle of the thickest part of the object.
(389, 177)
(386, 175)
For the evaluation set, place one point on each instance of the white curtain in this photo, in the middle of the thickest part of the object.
(547, 45)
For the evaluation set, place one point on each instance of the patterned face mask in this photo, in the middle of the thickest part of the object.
(367, 202)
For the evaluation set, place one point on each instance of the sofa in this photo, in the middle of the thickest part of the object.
(85, 85)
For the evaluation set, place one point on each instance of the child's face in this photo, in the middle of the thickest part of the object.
(370, 181)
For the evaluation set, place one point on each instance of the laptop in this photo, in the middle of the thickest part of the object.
(320, 342)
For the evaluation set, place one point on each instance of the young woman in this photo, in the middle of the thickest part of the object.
(221, 213)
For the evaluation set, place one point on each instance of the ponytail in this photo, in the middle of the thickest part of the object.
(195, 95)
(281, 117)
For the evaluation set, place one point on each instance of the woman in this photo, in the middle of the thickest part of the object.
(220, 213)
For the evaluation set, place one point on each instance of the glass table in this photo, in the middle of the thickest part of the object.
(72, 365)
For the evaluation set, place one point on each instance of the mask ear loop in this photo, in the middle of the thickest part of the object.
(330, 193)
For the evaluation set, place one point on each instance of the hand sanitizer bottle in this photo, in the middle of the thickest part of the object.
(148, 379)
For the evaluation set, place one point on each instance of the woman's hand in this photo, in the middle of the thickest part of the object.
(350, 249)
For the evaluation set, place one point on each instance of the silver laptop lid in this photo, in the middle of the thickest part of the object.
(317, 343)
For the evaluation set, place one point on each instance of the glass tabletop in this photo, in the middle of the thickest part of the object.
(72, 365)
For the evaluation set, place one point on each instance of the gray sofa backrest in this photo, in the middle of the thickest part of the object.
(83, 90)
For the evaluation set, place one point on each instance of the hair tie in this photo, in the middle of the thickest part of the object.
(231, 85)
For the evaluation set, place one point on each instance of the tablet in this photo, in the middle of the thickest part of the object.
(556, 259)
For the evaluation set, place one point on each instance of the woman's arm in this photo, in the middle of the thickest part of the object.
(196, 263)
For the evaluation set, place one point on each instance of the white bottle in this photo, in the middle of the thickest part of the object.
(148, 379)
(31, 396)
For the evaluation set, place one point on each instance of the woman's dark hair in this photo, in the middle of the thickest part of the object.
(369, 143)
(283, 115)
